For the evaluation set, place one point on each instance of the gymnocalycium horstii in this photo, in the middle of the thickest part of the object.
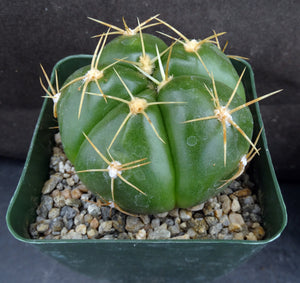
(151, 127)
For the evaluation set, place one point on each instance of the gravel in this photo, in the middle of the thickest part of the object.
(67, 210)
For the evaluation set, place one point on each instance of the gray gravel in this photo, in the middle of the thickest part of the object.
(69, 211)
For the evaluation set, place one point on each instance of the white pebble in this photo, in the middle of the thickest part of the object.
(235, 205)
(81, 229)
(185, 215)
(141, 234)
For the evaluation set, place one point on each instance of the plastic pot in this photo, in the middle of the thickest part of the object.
(135, 260)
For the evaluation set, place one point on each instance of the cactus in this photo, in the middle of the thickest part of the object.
(151, 127)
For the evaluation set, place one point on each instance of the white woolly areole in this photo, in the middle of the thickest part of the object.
(111, 204)
(93, 74)
(223, 114)
(56, 97)
(113, 169)
(129, 31)
(191, 45)
(244, 160)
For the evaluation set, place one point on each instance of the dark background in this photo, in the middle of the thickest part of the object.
(34, 32)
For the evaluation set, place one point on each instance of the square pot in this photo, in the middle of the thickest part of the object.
(136, 260)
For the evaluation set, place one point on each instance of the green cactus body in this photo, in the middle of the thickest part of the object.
(214, 61)
(137, 147)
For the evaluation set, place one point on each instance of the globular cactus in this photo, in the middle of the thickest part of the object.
(151, 127)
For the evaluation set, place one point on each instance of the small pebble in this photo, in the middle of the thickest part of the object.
(258, 231)
(94, 210)
(248, 200)
(105, 212)
(235, 205)
(118, 226)
(107, 237)
(174, 230)
(57, 138)
(133, 224)
(225, 235)
(169, 221)
(197, 207)
(208, 209)
(174, 212)
(54, 212)
(225, 220)
(92, 233)
(66, 193)
(50, 185)
(235, 185)
(42, 227)
(45, 206)
(61, 167)
(200, 226)
(145, 218)
(73, 235)
(82, 188)
(59, 201)
(183, 226)
(76, 193)
(94, 223)
(141, 234)
(226, 203)
(218, 213)
(76, 178)
(243, 193)
(236, 222)
(68, 212)
(251, 237)
(155, 223)
(211, 220)
(64, 231)
(68, 223)
(236, 218)
(33, 230)
(56, 224)
(85, 197)
(88, 218)
(182, 237)
(185, 215)
(79, 219)
(70, 182)
(238, 236)
(162, 215)
(105, 226)
(55, 193)
(215, 229)
(159, 233)
(81, 228)
(192, 233)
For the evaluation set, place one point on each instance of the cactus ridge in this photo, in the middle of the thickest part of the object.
(181, 137)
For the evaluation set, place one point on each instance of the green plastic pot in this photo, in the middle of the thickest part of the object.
(135, 260)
